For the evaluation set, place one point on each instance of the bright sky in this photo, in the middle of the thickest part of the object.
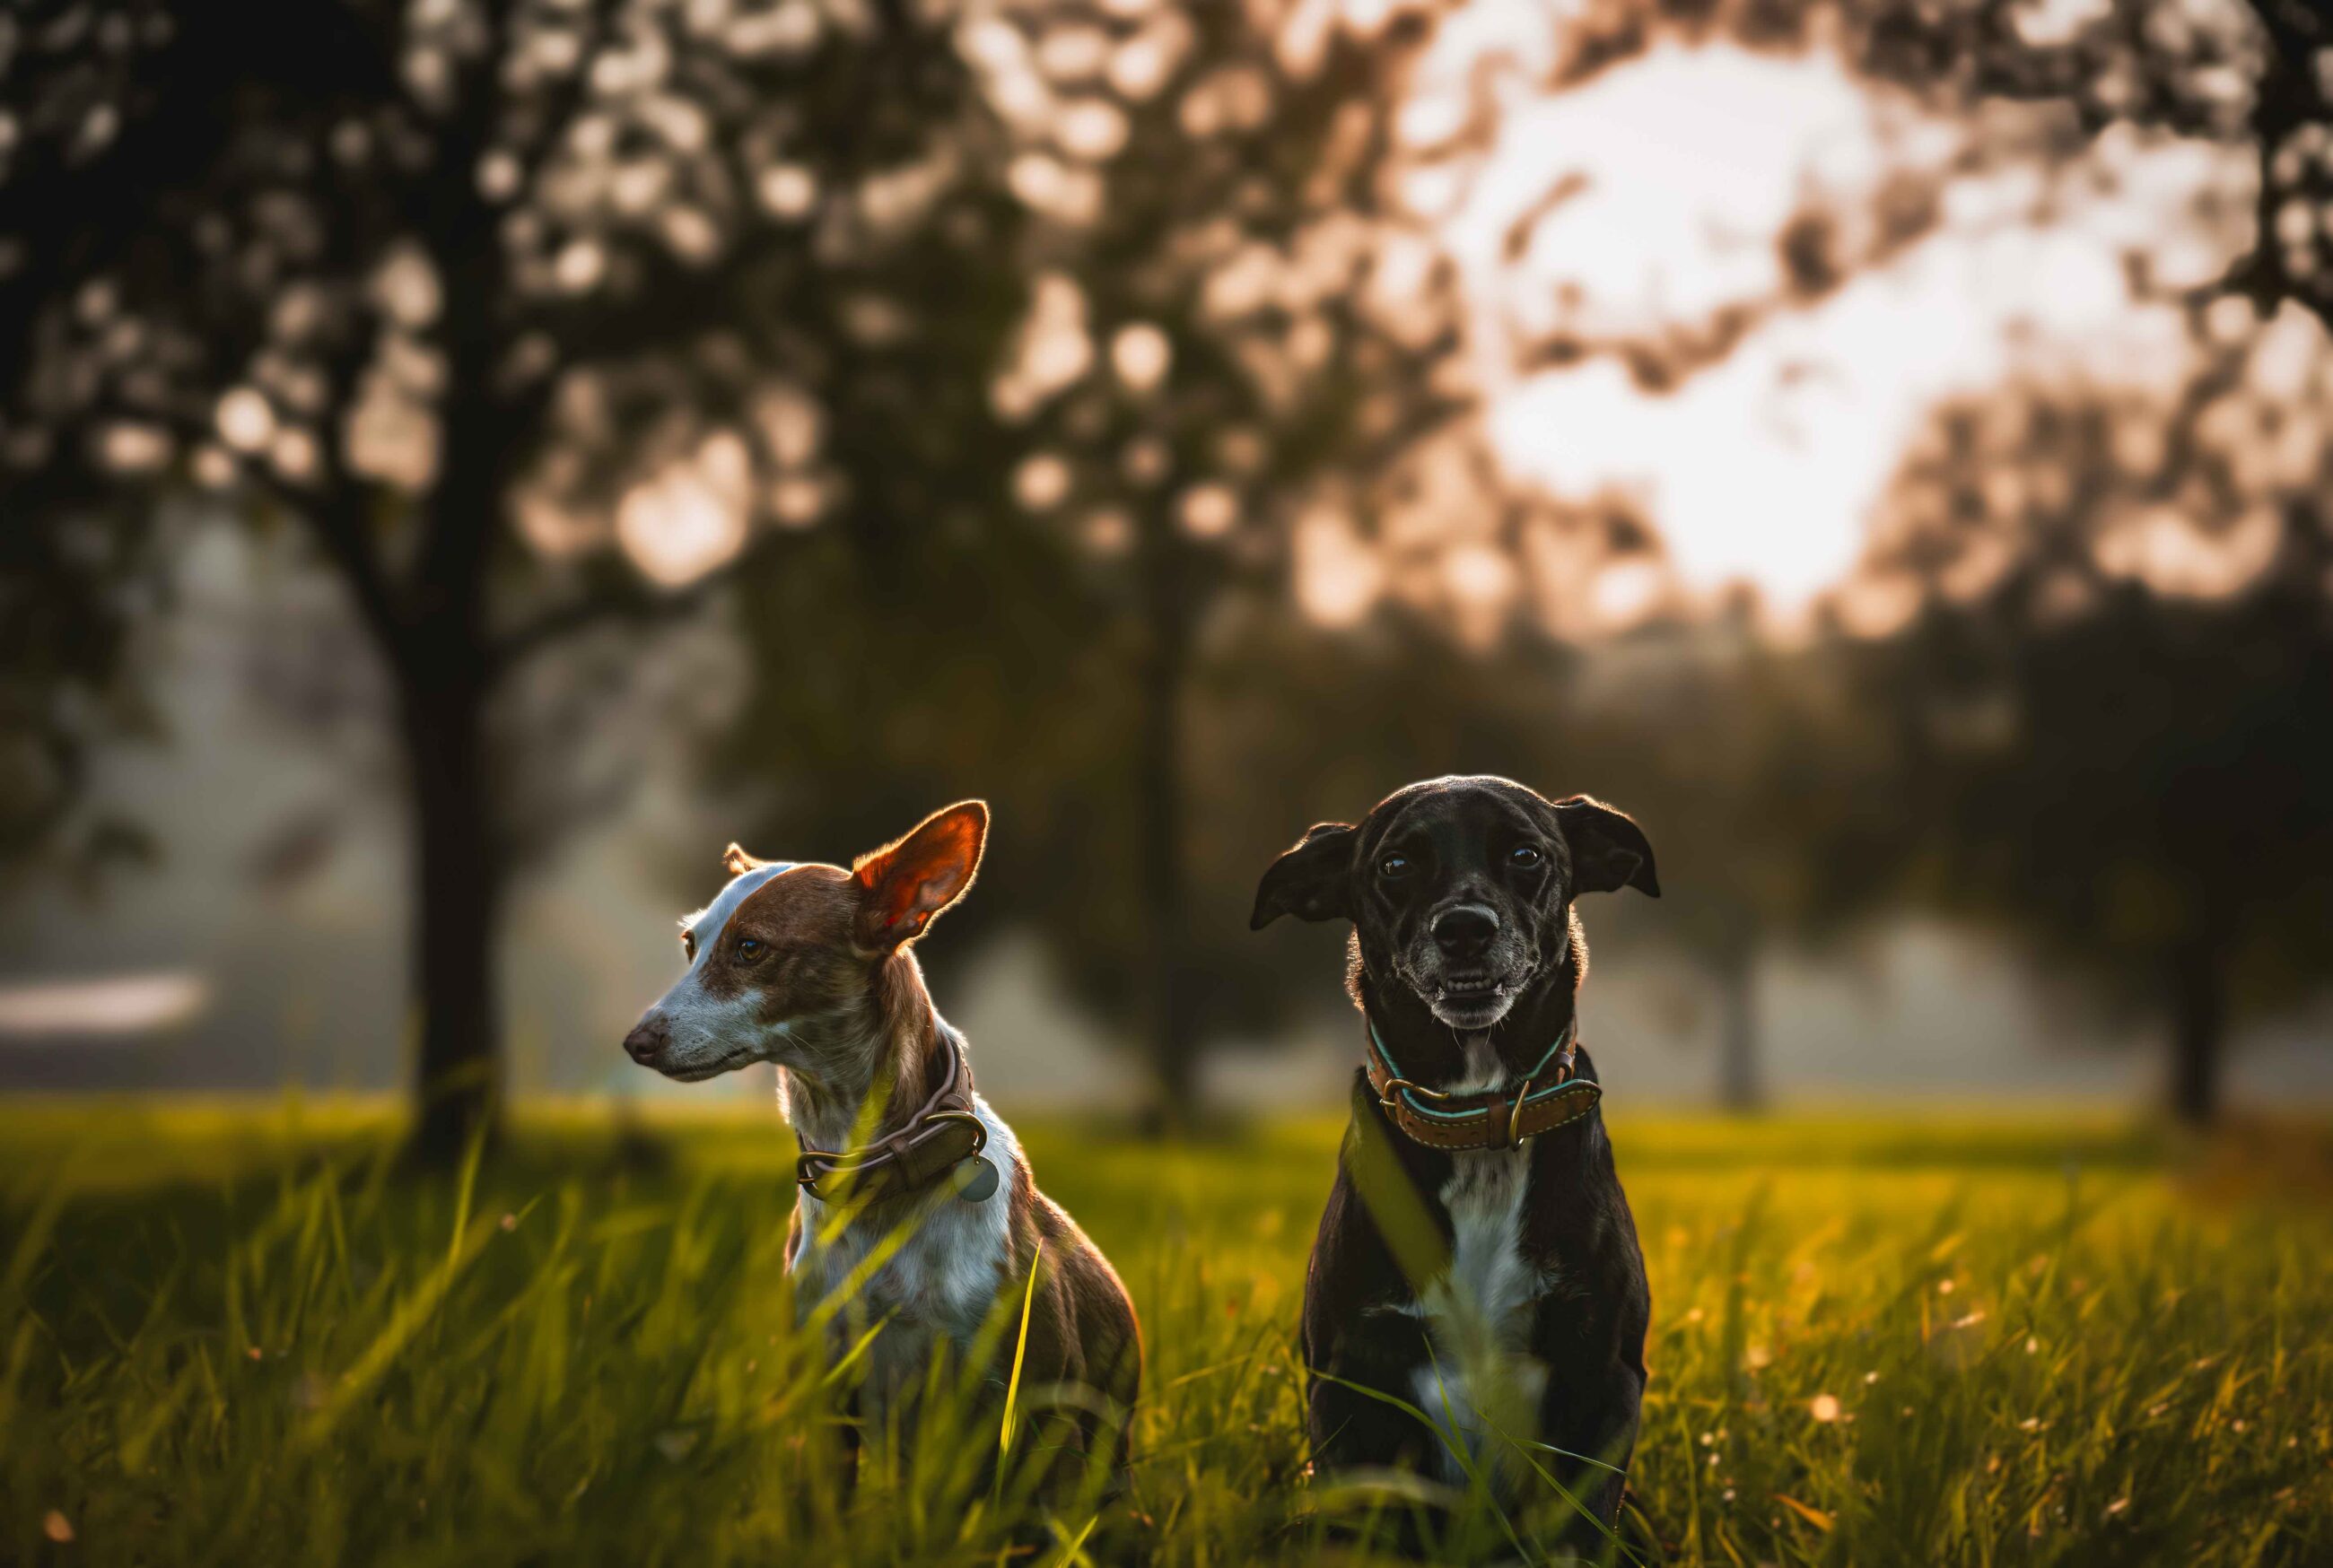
(1691, 161)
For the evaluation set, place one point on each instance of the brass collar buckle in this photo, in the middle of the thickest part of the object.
(1393, 1092)
(1522, 1090)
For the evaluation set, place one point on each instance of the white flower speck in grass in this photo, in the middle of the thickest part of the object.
(1870, 1378)
(1824, 1408)
(2116, 1506)
(1943, 1287)
(2033, 1345)
(56, 1527)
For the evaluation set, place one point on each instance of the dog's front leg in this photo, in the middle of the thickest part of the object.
(846, 1419)
(1589, 1410)
(1386, 1353)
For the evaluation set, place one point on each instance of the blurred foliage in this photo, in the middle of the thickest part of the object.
(2114, 729)
(520, 313)
(1203, 359)
(1088, 413)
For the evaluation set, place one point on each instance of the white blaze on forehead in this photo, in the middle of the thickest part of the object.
(706, 926)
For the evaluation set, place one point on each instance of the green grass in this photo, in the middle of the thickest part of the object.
(235, 1337)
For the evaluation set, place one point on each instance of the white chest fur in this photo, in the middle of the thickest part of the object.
(1478, 1313)
(1489, 1278)
(939, 1282)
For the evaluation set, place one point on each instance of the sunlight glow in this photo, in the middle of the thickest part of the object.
(1647, 206)
(690, 518)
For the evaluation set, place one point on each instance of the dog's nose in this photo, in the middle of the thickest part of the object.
(648, 1040)
(1465, 928)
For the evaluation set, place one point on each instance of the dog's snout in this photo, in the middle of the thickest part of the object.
(1465, 928)
(648, 1040)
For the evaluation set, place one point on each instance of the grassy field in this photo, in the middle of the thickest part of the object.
(228, 1336)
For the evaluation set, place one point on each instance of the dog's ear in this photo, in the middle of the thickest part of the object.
(902, 885)
(1609, 851)
(1310, 880)
(737, 862)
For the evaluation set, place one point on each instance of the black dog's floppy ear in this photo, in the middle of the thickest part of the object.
(1309, 881)
(1609, 851)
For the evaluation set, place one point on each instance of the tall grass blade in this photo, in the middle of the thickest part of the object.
(1020, 1356)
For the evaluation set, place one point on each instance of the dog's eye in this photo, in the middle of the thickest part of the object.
(1525, 856)
(748, 949)
(1394, 865)
(688, 945)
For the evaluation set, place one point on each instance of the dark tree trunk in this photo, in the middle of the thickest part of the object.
(1741, 1078)
(2199, 1029)
(455, 884)
(449, 668)
(1169, 1032)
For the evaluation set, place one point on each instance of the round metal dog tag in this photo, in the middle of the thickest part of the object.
(981, 1185)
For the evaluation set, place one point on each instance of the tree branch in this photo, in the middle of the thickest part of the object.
(2287, 96)
(341, 537)
(630, 601)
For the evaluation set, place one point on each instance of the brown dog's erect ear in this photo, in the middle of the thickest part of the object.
(902, 885)
(1609, 851)
(1309, 882)
(737, 862)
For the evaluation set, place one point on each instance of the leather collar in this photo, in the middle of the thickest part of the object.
(941, 1136)
(1548, 1097)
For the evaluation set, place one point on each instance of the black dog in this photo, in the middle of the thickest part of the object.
(1499, 1288)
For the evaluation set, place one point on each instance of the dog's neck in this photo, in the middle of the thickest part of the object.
(1436, 1056)
(888, 1037)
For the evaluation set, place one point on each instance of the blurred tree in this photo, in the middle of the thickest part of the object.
(1230, 338)
(527, 315)
(1720, 741)
(1218, 351)
(2114, 704)
(2111, 694)
(1749, 771)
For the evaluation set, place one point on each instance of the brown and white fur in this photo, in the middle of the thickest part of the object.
(810, 967)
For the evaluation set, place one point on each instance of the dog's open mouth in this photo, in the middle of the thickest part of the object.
(1472, 1001)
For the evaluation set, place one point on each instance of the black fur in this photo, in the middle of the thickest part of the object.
(1429, 983)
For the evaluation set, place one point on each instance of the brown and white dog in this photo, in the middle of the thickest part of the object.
(810, 967)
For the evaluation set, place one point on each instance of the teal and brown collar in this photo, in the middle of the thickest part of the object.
(1549, 1096)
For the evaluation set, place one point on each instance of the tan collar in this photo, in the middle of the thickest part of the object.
(1548, 1097)
(943, 1133)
